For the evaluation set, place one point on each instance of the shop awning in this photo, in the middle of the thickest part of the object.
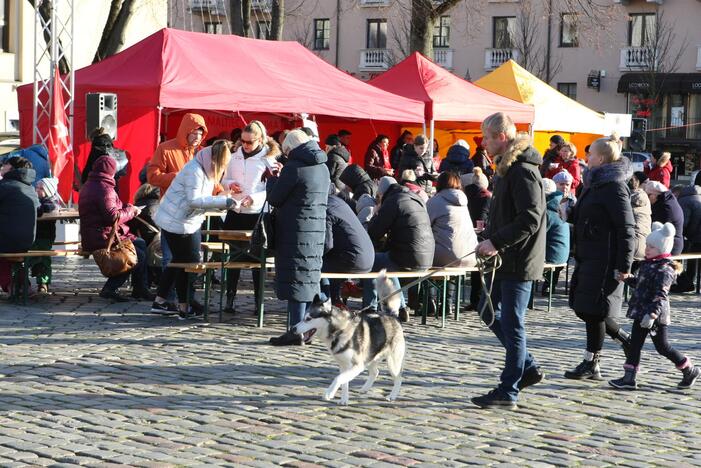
(669, 83)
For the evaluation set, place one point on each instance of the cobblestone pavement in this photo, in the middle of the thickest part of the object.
(87, 382)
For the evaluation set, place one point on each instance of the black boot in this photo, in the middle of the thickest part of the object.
(627, 382)
(623, 338)
(691, 373)
(229, 308)
(587, 369)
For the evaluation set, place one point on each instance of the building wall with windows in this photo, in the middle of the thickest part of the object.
(365, 37)
(17, 43)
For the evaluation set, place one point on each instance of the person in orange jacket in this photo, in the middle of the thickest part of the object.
(172, 155)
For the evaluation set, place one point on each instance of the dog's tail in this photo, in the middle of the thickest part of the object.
(384, 289)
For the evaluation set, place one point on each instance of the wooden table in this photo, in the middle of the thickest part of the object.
(234, 253)
(60, 215)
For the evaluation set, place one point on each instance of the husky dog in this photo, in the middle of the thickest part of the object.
(359, 341)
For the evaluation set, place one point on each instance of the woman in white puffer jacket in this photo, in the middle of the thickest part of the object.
(246, 176)
(180, 216)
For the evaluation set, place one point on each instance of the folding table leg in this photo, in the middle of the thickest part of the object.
(550, 291)
(444, 301)
(458, 296)
(426, 293)
(207, 285)
(261, 292)
(25, 280)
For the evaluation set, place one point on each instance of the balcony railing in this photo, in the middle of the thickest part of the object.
(374, 59)
(212, 7)
(262, 4)
(443, 57)
(698, 58)
(637, 58)
(495, 57)
(374, 3)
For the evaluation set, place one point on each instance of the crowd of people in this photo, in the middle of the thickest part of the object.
(405, 208)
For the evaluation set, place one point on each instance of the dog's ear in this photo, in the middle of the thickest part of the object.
(317, 301)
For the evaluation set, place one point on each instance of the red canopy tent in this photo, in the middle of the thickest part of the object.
(175, 70)
(447, 97)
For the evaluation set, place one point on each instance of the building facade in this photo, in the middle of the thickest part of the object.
(643, 57)
(17, 43)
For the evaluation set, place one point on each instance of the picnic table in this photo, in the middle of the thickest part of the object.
(61, 215)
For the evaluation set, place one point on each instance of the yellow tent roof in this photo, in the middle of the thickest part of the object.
(554, 112)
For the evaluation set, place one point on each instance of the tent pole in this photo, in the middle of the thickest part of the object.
(423, 128)
(432, 138)
(158, 126)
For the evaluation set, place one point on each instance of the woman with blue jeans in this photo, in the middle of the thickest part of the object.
(299, 196)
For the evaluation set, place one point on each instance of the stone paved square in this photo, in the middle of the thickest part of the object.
(85, 382)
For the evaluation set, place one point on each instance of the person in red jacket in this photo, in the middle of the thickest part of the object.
(659, 168)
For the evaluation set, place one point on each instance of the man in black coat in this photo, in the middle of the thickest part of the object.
(359, 182)
(516, 230)
(403, 218)
(417, 157)
(665, 209)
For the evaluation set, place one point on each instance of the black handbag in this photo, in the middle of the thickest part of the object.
(263, 236)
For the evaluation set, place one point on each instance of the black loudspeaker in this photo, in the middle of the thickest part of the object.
(638, 135)
(101, 111)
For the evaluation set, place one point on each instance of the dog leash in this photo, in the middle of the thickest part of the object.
(485, 265)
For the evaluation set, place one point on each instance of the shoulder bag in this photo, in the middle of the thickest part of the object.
(116, 259)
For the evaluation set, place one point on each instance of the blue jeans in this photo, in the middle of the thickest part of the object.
(382, 260)
(138, 273)
(167, 258)
(296, 310)
(510, 300)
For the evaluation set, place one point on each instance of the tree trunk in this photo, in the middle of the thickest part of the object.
(246, 16)
(45, 11)
(236, 17)
(113, 37)
(115, 6)
(277, 20)
(421, 28)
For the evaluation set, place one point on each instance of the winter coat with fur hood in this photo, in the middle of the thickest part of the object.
(604, 237)
(182, 209)
(643, 221)
(667, 210)
(18, 211)
(299, 196)
(403, 218)
(452, 228)
(100, 206)
(517, 222)
(172, 155)
(690, 201)
(248, 172)
(38, 155)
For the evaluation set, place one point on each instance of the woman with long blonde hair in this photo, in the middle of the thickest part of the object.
(180, 218)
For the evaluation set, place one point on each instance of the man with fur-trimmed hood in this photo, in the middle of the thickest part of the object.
(516, 231)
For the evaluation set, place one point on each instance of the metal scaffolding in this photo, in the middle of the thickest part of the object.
(53, 42)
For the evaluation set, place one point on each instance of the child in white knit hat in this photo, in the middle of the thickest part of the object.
(649, 308)
(49, 201)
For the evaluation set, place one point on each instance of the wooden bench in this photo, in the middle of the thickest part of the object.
(207, 268)
(20, 261)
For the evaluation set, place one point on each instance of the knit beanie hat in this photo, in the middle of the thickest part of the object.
(294, 139)
(549, 186)
(384, 184)
(50, 185)
(563, 177)
(479, 179)
(462, 143)
(333, 140)
(661, 237)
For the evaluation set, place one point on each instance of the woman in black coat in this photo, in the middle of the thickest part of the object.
(604, 238)
(347, 246)
(299, 196)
